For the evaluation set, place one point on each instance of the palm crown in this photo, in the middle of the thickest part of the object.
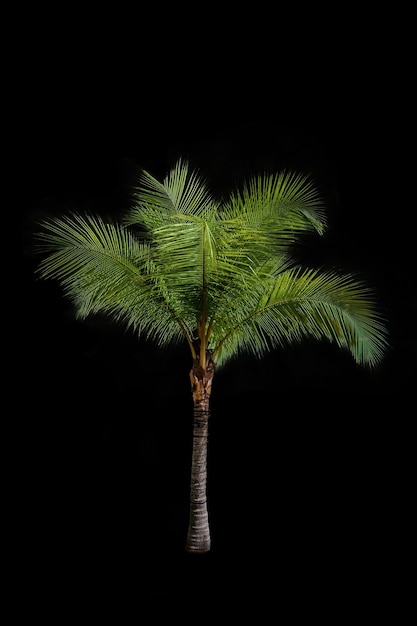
(218, 274)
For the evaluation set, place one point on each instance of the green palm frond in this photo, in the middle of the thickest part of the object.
(226, 265)
(183, 192)
(282, 205)
(104, 269)
(304, 303)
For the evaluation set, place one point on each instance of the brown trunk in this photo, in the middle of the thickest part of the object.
(198, 537)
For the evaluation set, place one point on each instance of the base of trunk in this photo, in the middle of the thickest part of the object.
(202, 549)
(198, 544)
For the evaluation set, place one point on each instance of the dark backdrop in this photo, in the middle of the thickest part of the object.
(309, 457)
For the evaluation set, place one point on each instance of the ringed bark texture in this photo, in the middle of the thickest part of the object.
(198, 537)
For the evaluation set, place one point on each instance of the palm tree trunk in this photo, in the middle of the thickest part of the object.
(198, 536)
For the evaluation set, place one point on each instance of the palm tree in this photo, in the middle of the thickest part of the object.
(219, 275)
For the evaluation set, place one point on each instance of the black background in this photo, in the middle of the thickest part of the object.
(309, 456)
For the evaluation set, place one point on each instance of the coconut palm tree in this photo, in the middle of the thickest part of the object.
(219, 275)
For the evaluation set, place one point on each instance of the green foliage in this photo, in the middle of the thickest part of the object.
(184, 265)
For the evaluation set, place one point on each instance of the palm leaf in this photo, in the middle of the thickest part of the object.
(299, 304)
(104, 269)
(156, 204)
